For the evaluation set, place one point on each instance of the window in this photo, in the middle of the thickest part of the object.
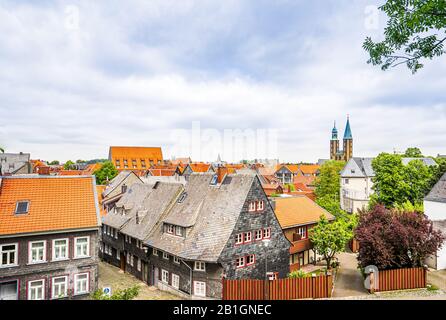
(143, 163)
(176, 260)
(175, 281)
(118, 254)
(179, 231)
(82, 247)
(248, 236)
(259, 234)
(134, 164)
(130, 259)
(250, 259)
(37, 252)
(346, 181)
(252, 206)
(118, 164)
(260, 205)
(60, 249)
(81, 283)
(240, 262)
(155, 252)
(267, 233)
(138, 264)
(164, 276)
(302, 231)
(8, 255)
(59, 287)
(128, 239)
(182, 197)
(165, 256)
(200, 288)
(169, 229)
(36, 290)
(272, 275)
(104, 229)
(199, 266)
(214, 180)
(239, 238)
(21, 207)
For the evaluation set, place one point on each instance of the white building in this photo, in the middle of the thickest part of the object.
(435, 210)
(356, 184)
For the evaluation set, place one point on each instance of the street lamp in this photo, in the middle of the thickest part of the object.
(266, 244)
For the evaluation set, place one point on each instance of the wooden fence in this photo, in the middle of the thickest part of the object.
(281, 289)
(400, 279)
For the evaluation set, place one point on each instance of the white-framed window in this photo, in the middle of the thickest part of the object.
(37, 251)
(8, 255)
(250, 259)
(36, 290)
(116, 233)
(176, 260)
(179, 231)
(22, 207)
(164, 276)
(175, 281)
(118, 254)
(59, 287)
(155, 252)
(239, 238)
(169, 229)
(252, 206)
(303, 232)
(200, 288)
(267, 233)
(248, 237)
(272, 275)
(259, 234)
(138, 264)
(199, 266)
(260, 205)
(81, 283)
(130, 259)
(104, 229)
(60, 249)
(240, 262)
(128, 239)
(165, 255)
(82, 247)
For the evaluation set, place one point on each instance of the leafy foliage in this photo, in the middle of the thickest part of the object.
(413, 152)
(395, 184)
(2, 150)
(328, 184)
(330, 238)
(68, 165)
(54, 163)
(415, 31)
(393, 239)
(106, 172)
(125, 294)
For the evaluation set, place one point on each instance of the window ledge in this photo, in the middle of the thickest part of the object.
(37, 262)
(79, 258)
(58, 260)
(9, 266)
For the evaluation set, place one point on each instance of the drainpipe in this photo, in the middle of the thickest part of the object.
(190, 268)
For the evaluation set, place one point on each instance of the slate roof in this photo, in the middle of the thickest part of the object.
(426, 161)
(116, 182)
(11, 162)
(438, 192)
(358, 167)
(55, 204)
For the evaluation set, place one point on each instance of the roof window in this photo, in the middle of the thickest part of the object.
(22, 207)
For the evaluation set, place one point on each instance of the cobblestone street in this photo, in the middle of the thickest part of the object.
(110, 276)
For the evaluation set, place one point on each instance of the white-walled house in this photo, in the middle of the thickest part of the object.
(356, 184)
(435, 210)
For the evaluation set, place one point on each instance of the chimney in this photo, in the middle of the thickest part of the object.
(123, 188)
(43, 171)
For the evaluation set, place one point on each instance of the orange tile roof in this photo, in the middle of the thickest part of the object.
(55, 204)
(99, 190)
(309, 168)
(298, 210)
(307, 181)
(162, 172)
(91, 168)
(135, 153)
(199, 167)
(70, 172)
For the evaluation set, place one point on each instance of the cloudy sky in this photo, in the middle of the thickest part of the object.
(79, 76)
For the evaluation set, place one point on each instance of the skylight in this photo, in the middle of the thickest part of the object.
(22, 207)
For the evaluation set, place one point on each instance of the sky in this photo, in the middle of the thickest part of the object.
(79, 76)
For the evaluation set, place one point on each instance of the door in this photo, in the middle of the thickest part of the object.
(145, 272)
(156, 276)
(123, 261)
(8, 291)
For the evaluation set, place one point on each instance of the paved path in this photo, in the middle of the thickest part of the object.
(437, 278)
(349, 281)
(116, 279)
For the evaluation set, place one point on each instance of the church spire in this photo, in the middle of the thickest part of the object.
(334, 132)
(348, 131)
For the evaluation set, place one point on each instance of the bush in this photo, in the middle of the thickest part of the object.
(298, 274)
(124, 294)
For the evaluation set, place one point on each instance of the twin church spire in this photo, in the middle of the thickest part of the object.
(347, 152)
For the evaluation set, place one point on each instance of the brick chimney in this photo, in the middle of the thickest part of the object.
(43, 171)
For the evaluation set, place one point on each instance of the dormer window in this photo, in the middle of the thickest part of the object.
(22, 207)
(214, 180)
(182, 197)
(169, 229)
(199, 266)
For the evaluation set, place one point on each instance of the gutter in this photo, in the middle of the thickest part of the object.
(190, 268)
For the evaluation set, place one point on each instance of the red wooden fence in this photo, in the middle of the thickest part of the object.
(281, 289)
(400, 279)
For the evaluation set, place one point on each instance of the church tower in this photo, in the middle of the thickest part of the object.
(348, 141)
(334, 143)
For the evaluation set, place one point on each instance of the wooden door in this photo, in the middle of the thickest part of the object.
(123, 261)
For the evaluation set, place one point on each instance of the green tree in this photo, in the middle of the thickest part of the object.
(54, 163)
(2, 150)
(124, 294)
(415, 31)
(413, 152)
(106, 172)
(68, 165)
(330, 238)
(328, 184)
(396, 184)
